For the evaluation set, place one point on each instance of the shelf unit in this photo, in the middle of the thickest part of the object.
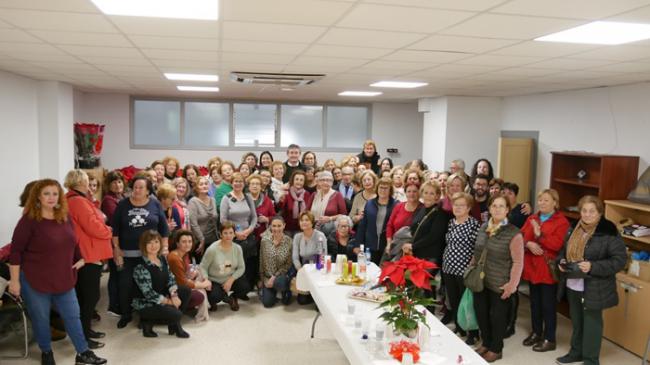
(628, 323)
(608, 177)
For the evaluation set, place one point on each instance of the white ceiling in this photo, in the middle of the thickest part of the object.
(460, 47)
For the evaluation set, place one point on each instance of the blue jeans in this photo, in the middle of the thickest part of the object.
(282, 284)
(38, 308)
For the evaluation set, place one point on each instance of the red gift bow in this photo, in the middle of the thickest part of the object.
(397, 350)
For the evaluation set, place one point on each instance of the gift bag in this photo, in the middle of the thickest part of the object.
(466, 316)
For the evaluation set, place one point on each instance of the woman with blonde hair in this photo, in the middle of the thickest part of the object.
(171, 165)
(544, 234)
(94, 244)
(43, 263)
(166, 194)
(368, 185)
(203, 217)
(369, 156)
(182, 193)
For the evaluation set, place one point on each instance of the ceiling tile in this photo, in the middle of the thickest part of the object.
(183, 63)
(569, 64)
(460, 44)
(63, 66)
(367, 38)
(28, 48)
(232, 45)
(460, 70)
(616, 53)
(271, 32)
(17, 35)
(641, 15)
(351, 52)
(308, 12)
(475, 5)
(172, 54)
(397, 66)
(510, 26)
(101, 51)
(200, 44)
(258, 57)
(50, 57)
(425, 56)
(625, 67)
(543, 49)
(50, 20)
(127, 61)
(166, 27)
(83, 38)
(525, 71)
(496, 60)
(309, 60)
(316, 69)
(250, 67)
(404, 19)
(579, 9)
(130, 69)
(78, 6)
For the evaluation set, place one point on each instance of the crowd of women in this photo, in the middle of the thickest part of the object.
(178, 242)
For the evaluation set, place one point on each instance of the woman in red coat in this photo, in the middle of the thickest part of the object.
(295, 202)
(95, 245)
(543, 238)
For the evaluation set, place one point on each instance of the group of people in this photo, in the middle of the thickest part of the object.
(178, 242)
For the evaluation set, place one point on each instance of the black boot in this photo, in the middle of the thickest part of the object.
(123, 322)
(47, 358)
(176, 329)
(147, 329)
(88, 358)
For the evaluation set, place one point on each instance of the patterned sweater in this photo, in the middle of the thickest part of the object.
(145, 282)
(274, 260)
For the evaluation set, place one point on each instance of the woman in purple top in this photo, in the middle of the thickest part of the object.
(43, 262)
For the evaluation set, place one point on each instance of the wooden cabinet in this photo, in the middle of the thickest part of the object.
(607, 176)
(628, 324)
(618, 210)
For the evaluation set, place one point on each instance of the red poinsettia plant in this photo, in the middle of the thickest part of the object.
(406, 281)
(89, 140)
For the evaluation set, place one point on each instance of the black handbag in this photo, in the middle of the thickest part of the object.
(474, 274)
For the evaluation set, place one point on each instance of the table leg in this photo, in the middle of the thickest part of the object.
(313, 325)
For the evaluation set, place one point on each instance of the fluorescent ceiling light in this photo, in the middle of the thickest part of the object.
(191, 77)
(186, 9)
(399, 84)
(360, 93)
(198, 88)
(610, 33)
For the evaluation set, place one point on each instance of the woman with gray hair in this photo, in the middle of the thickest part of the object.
(342, 241)
(94, 240)
(327, 203)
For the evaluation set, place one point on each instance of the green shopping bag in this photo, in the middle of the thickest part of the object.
(466, 315)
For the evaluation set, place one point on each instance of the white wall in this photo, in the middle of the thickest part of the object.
(55, 122)
(434, 132)
(609, 120)
(399, 123)
(19, 147)
(473, 126)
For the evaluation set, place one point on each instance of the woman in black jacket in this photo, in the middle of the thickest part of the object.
(371, 231)
(429, 226)
(369, 156)
(592, 255)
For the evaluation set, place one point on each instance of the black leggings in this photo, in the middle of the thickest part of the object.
(492, 316)
(167, 314)
(87, 289)
(454, 288)
(239, 288)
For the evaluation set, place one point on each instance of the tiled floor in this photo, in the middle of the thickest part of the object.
(277, 336)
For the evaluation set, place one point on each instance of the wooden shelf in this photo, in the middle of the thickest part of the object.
(645, 239)
(577, 182)
(628, 204)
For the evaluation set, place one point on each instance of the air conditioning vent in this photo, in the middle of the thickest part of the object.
(280, 79)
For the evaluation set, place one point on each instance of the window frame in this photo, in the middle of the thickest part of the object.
(231, 124)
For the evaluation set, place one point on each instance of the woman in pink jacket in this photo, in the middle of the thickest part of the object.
(94, 239)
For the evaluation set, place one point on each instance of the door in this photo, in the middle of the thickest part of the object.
(514, 164)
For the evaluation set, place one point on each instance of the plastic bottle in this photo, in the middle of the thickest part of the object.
(368, 255)
(361, 260)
